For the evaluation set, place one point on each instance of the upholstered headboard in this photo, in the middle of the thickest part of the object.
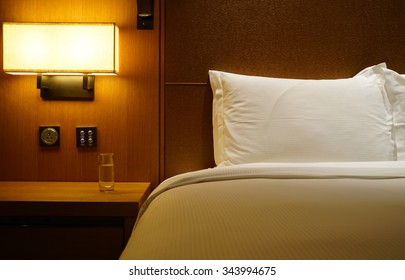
(280, 38)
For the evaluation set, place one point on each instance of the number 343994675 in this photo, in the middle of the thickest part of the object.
(247, 270)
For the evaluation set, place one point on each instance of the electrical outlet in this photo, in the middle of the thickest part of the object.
(86, 136)
(49, 136)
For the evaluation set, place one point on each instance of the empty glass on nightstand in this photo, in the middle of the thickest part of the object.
(106, 172)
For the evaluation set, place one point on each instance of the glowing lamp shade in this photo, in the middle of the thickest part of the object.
(60, 48)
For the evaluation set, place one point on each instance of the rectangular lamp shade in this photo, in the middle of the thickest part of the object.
(31, 48)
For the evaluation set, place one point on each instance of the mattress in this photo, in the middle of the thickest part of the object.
(282, 211)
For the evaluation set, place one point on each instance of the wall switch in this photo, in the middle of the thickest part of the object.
(49, 136)
(86, 136)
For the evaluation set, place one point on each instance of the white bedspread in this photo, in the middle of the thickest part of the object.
(276, 211)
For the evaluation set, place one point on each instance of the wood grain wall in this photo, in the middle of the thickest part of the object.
(125, 109)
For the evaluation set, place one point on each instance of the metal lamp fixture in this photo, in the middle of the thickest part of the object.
(64, 56)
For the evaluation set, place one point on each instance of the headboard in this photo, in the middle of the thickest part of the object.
(280, 38)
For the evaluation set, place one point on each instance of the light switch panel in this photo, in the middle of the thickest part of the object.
(86, 136)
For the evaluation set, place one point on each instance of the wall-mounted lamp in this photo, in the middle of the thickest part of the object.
(64, 56)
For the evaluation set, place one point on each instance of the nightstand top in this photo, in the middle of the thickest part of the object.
(70, 199)
(34, 191)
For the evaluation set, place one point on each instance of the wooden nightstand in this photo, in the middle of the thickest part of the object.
(67, 220)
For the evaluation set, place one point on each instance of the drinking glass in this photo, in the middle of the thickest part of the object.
(106, 172)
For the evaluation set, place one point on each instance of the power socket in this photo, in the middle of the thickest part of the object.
(49, 136)
(86, 136)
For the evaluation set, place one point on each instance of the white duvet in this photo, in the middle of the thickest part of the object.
(276, 211)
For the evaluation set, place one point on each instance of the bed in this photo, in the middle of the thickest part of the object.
(282, 132)
(304, 169)
(256, 213)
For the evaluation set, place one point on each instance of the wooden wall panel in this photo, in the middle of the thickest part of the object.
(280, 38)
(125, 109)
(188, 129)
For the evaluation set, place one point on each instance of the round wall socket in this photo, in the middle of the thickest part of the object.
(49, 136)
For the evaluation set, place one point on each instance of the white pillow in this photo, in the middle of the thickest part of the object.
(394, 85)
(258, 119)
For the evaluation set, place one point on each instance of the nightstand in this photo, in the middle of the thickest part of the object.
(67, 220)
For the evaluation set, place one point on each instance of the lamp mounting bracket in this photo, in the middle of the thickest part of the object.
(66, 87)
